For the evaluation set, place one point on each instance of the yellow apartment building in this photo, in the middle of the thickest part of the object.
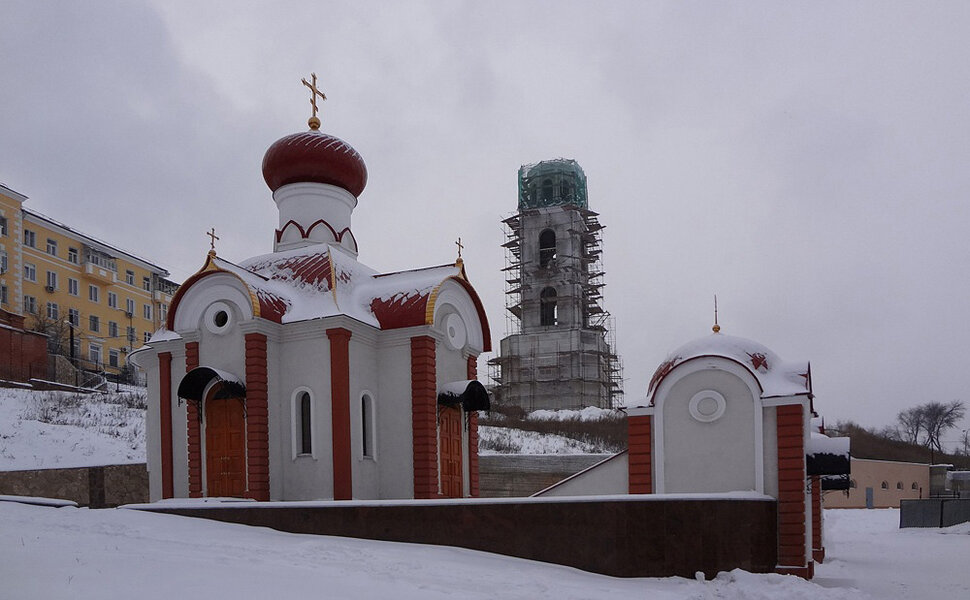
(71, 285)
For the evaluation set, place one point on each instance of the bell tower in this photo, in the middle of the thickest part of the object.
(559, 351)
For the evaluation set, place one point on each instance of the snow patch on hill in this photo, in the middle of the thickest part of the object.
(505, 440)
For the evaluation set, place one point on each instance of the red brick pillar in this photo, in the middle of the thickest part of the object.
(640, 453)
(818, 550)
(343, 488)
(473, 435)
(792, 533)
(424, 417)
(165, 420)
(192, 421)
(257, 417)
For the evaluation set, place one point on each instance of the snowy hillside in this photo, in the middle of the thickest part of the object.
(45, 430)
(588, 431)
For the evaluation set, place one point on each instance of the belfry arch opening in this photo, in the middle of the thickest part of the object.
(547, 248)
(548, 311)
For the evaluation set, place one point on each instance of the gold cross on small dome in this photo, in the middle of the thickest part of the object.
(212, 234)
(314, 122)
(460, 246)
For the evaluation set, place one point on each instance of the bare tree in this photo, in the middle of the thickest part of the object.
(56, 331)
(940, 417)
(912, 422)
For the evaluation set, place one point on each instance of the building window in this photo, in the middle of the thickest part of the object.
(146, 284)
(94, 323)
(113, 357)
(30, 238)
(93, 293)
(367, 426)
(30, 272)
(74, 317)
(546, 191)
(146, 336)
(3, 262)
(112, 329)
(3, 226)
(112, 300)
(94, 353)
(915, 486)
(130, 277)
(52, 310)
(146, 311)
(302, 414)
(75, 348)
(130, 335)
(52, 280)
(52, 247)
(162, 312)
(3, 294)
(72, 286)
(548, 314)
(129, 307)
(852, 484)
(885, 485)
(547, 248)
(899, 485)
(72, 255)
(30, 305)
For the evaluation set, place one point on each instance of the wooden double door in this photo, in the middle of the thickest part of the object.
(225, 447)
(449, 449)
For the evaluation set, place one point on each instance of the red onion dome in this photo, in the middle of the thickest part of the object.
(314, 157)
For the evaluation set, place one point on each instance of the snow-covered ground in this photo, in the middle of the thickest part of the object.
(46, 430)
(518, 441)
(79, 553)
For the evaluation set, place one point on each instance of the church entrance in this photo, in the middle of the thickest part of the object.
(449, 448)
(225, 447)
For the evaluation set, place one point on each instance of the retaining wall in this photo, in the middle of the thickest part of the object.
(629, 536)
(521, 475)
(95, 487)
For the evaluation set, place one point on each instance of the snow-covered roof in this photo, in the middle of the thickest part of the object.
(775, 376)
(324, 280)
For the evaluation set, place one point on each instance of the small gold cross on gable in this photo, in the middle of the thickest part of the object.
(212, 234)
(314, 92)
(460, 246)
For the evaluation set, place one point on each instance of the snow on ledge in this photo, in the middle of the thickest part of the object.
(39, 501)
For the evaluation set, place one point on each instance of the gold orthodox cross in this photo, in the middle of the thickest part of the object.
(458, 243)
(212, 234)
(314, 92)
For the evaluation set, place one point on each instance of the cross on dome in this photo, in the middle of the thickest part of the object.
(314, 122)
(212, 234)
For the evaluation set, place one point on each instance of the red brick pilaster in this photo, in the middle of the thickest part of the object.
(165, 420)
(192, 421)
(473, 436)
(257, 418)
(792, 534)
(343, 488)
(818, 550)
(423, 417)
(640, 454)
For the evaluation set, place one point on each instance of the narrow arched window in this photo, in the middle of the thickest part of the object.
(547, 190)
(899, 485)
(915, 487)
(565, 191)
(548, 314)
(852, 483)
(306, 440)
(547, 248)
(367, 426)
(885, 485)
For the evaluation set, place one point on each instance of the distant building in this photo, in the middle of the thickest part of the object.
(559, 352)
(882, 484)
(52, 274)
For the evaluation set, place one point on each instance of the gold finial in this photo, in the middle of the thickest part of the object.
(716, 328)
(212, 234)
(314, 122)
(459, 261)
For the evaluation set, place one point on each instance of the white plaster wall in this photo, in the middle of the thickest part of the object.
(305, 203)
(609, 477)
(709, 457)
(180, 411)
(770, 435)
(363, 378)
(277, 407)
(153, 437)
(394, 440)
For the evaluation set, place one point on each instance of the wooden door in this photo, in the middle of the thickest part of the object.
(449, 449)
(225, 447)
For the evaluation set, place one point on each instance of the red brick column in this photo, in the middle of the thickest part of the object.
(640, 453)
(818, 550)
(792, 535)
(424, 411)
(257, 417)
(192, 419)
(165, 420)
(343, 487)
(473, 435)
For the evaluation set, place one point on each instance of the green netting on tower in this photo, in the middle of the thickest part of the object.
(556, 182)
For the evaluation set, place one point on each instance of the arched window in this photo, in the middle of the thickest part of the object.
(547, 248)
(548, 314)
(915, 486)
(306, 422)
(367, 426)
(565, 191)
(547, 191)
(885, 485)
(852, 483)
(899, 485)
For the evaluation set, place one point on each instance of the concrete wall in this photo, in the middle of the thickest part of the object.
(515, 475)
(609, 476)
(638, 536)
(96, 487)
(934, 512)
(866, 473)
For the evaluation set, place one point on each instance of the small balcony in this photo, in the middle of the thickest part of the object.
(99, 273)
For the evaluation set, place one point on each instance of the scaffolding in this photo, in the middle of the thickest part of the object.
(575, 360)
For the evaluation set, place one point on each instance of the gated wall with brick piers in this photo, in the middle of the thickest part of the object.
(257, 417)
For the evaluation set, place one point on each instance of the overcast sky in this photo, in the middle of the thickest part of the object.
(807, 162)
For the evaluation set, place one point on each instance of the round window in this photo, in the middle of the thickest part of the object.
(221, 318)
(707, 406)
(218, 317)
(455, 332)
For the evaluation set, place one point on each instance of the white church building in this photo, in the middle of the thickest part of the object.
(305, 374)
